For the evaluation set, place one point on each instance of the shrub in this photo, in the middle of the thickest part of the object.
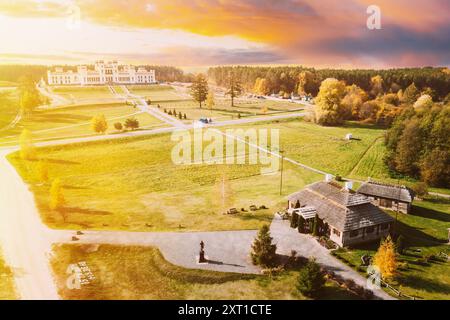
(294, 220)
(118, 126)
(310, 279)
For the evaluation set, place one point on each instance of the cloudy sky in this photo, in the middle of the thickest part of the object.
(195, 33)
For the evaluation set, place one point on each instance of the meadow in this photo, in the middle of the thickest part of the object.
(74, 121)
(425, 231)
(7, 288)
(128, 273)
(132, 184)
(81, 93)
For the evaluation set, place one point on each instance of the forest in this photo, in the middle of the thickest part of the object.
(287, 78)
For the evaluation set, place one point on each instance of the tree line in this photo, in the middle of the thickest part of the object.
(290, 79)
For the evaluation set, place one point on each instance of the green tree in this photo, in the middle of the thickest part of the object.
(435, 168)
(199, 88)
(29, 95)
(99, 124)
(311, 279)
(132, 123)
(234, 88)
(329, 109)
(263, 251)
(411, 94)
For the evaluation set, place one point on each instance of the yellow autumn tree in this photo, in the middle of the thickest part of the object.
(385, 258)
(43, 171)
(27, 149)
(57, 200)
(99, 124)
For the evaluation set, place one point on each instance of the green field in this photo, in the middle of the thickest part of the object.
(323, 148)
(83, 93)
(131, 183)
(425, 229)
(74, 121)
(168, 98)
(7, 288)
(127, 273)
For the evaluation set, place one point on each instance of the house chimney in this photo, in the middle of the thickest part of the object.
(349, 185)
(328, 178)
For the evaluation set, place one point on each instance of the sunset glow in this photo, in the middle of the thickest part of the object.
(319, 33)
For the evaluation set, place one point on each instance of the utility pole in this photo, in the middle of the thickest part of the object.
(281, 173)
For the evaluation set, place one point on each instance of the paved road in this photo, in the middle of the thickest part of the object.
(23, 236)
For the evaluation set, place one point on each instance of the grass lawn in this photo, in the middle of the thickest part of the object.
(83, 93)
(9, 107)
(142, 273)
(426, 230)
(129, 183)
(323, 148)
(167, 97)
(74, 121)
(7, 288)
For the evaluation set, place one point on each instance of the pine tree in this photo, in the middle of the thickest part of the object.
(234, 88)
(199, 89)
(263, 251)
(316, 226)
(385, 258)
(310, 279)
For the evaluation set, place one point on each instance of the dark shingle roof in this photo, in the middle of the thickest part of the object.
(340, 208)
(387, 191)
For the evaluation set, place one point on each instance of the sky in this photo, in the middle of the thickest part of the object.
(200, 33)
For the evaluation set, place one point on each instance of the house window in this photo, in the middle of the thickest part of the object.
(354, 233)
(370, 229)
(336, 232)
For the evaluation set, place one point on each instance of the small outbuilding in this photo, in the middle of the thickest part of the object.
(349, 136)
(392, 197)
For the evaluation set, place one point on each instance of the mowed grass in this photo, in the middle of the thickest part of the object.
(169, 98)
(74, 121)
(83, 93)
(323, 148)
(7, 287)
(9, 107)
(425, 229)
(132, 184)
(141, 273)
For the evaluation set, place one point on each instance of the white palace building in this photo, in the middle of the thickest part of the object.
(103, 73)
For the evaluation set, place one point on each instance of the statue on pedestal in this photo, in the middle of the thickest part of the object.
(202, 258)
